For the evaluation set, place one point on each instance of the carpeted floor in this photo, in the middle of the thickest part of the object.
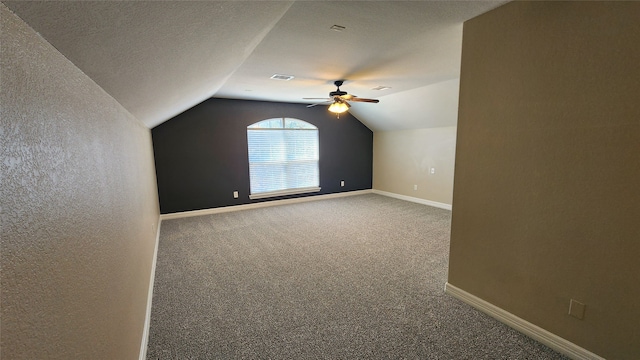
(358, 277)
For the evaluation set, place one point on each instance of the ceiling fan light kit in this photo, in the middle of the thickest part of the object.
(338, 107)
(338, 100)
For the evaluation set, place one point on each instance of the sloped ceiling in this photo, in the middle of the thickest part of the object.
(159, 58)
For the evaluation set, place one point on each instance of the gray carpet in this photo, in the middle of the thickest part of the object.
(358, 277)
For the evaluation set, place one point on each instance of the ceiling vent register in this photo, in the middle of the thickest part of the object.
(282, 77)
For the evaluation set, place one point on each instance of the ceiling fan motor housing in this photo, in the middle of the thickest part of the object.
(337, 83)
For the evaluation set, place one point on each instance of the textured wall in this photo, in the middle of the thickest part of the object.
(201, 155)
(546, 200)
(79, 209)
(402, 159)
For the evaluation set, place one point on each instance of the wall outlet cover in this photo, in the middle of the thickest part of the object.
(576, 309)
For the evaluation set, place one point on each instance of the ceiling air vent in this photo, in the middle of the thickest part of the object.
(381, 88)
(282, 77)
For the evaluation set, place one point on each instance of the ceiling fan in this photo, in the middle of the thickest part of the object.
(338, 100)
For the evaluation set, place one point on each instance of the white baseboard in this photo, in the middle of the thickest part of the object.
(413, 199)
(533, 331)
(260, 205)
(147, 318)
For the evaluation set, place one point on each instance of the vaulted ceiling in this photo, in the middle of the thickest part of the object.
(159, 58)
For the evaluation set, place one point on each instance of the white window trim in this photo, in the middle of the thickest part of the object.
(284, 192)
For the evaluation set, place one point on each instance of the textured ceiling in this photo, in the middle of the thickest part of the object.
(159, 58)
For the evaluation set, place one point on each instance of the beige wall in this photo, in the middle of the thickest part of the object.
(79, 209)
(546, 201)
(402, 159)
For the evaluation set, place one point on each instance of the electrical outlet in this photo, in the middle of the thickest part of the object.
(576, 309)
(432, 171)
(415, 187)
(235, 194)
(342, 183)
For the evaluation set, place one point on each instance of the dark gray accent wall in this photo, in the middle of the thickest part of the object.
(201, 155)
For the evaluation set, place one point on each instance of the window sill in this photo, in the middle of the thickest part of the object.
(284, 192)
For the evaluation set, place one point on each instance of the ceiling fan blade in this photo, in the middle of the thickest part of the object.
(357, 99)
(340, 97)
(320, 103)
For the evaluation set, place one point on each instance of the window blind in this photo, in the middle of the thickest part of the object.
(282, 161)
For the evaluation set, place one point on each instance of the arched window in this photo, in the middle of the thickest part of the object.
(283, 157)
